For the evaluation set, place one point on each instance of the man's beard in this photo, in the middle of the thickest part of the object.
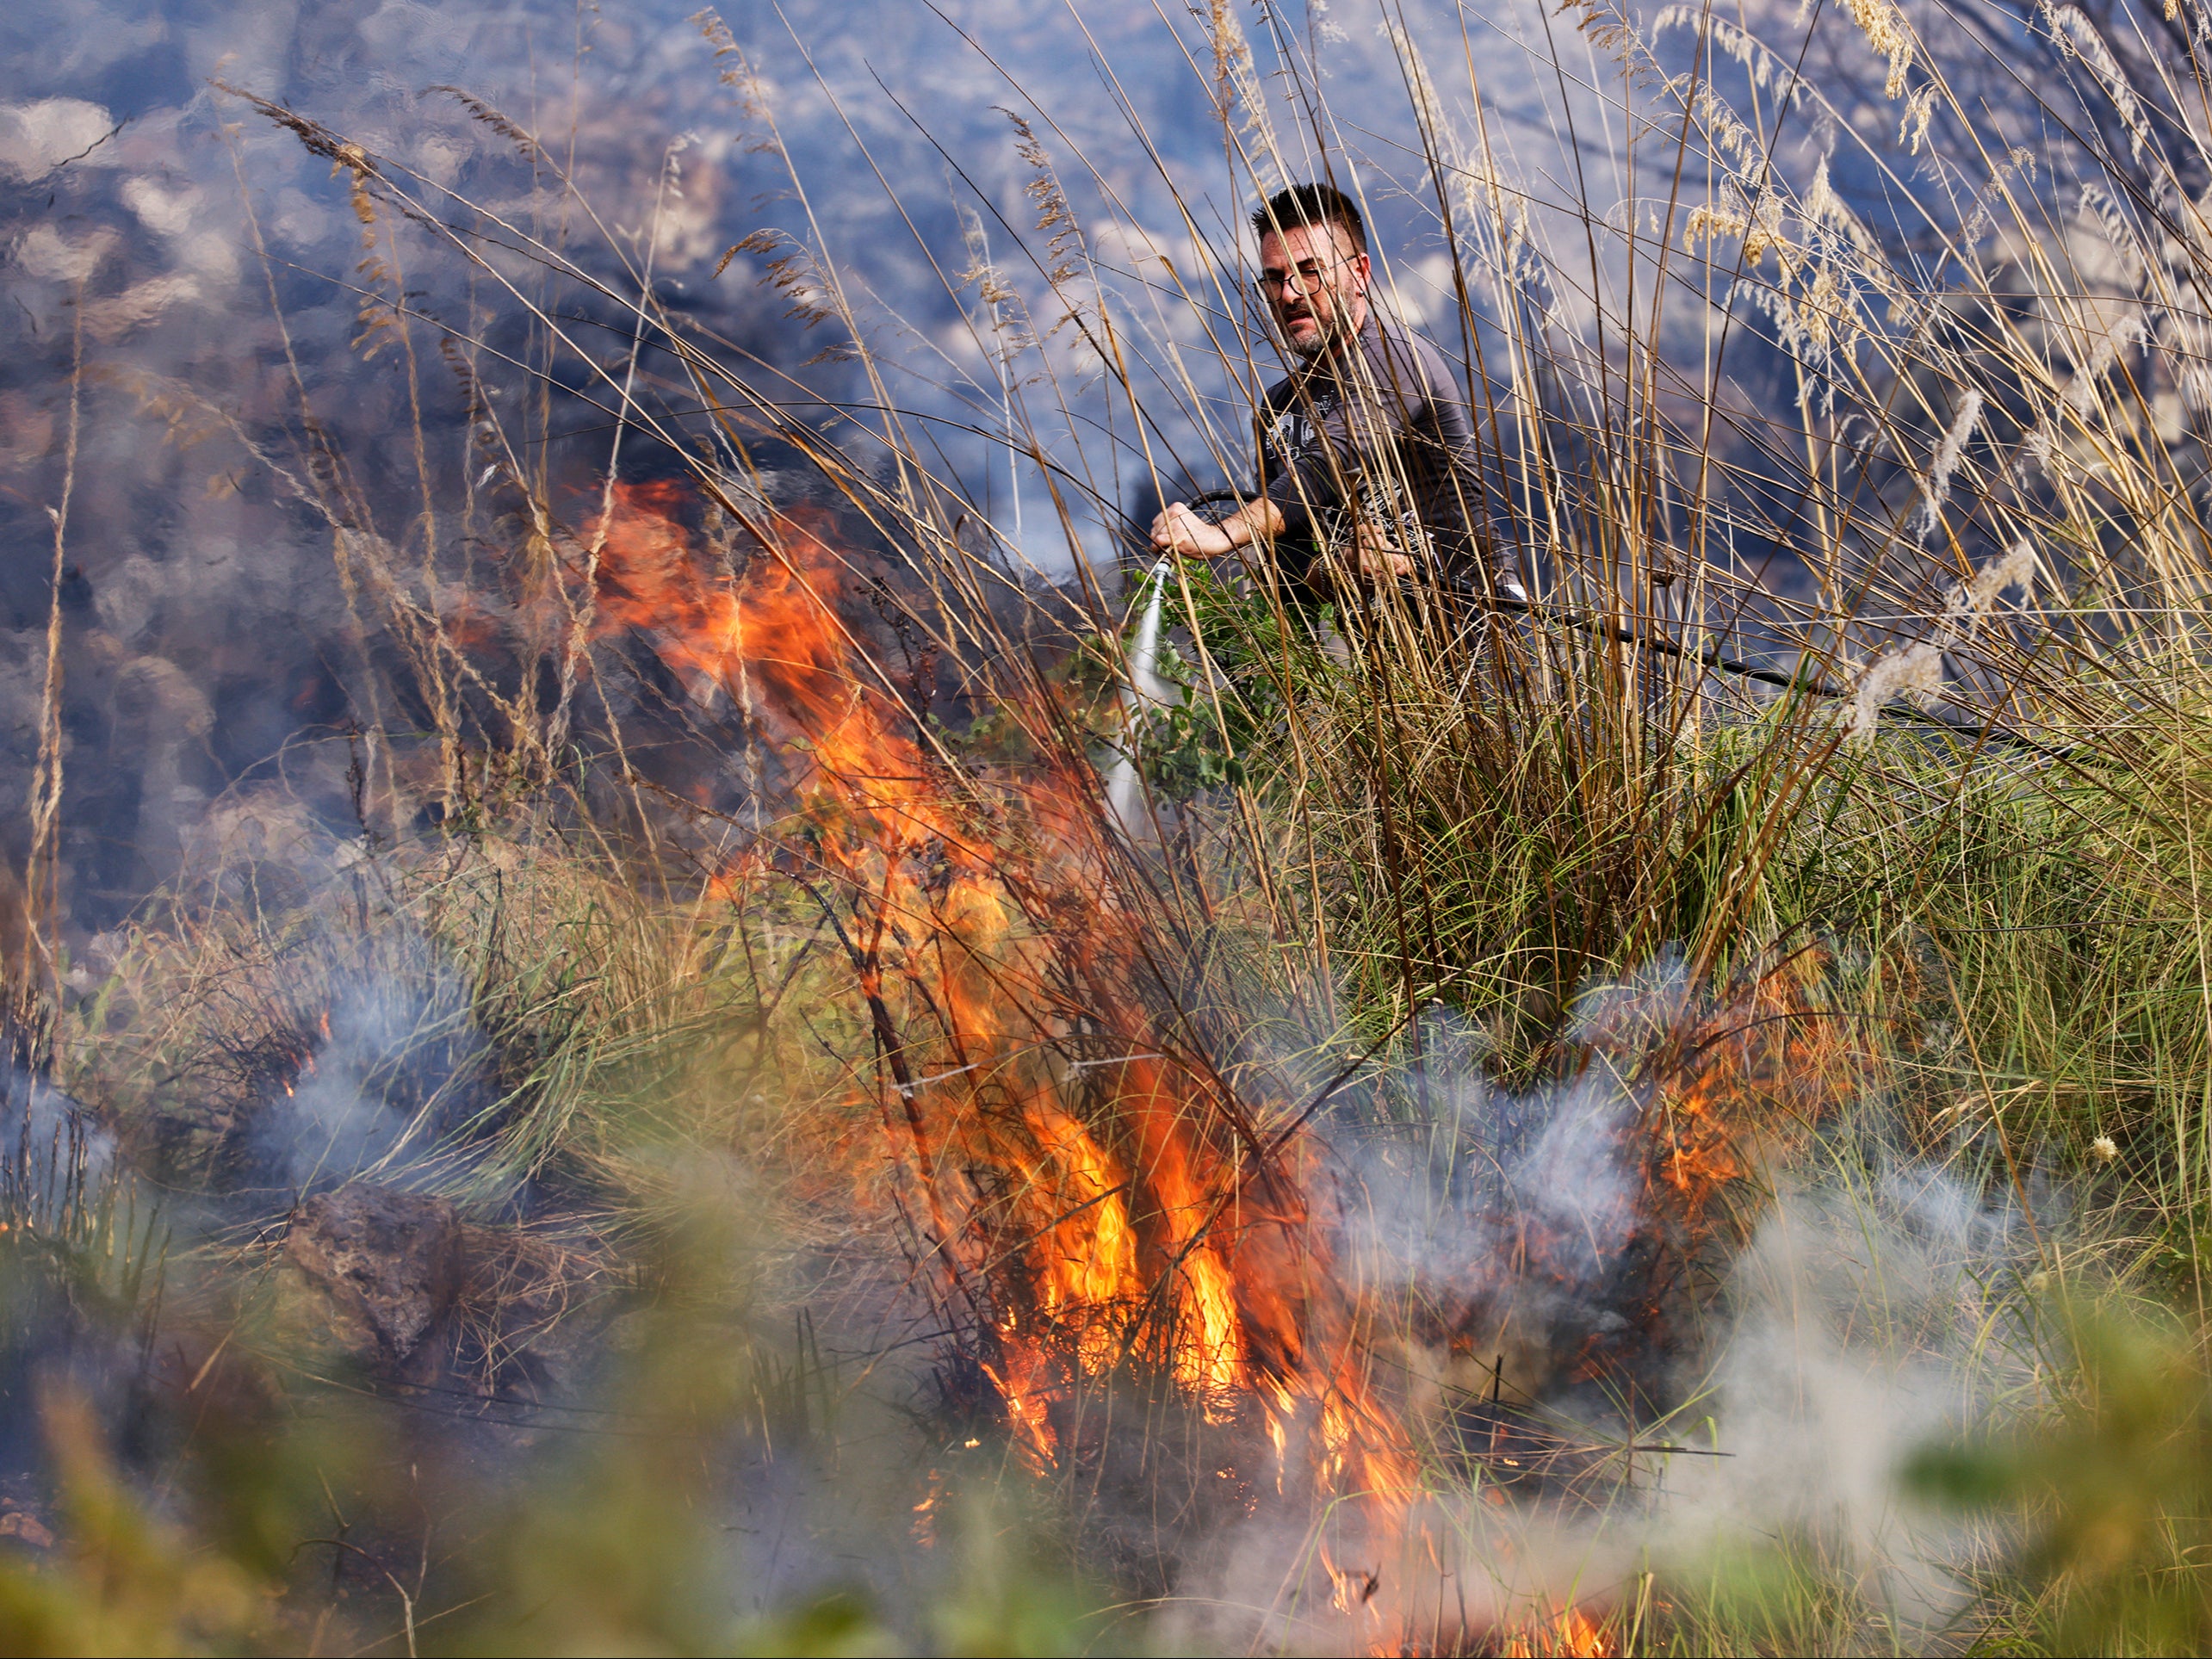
(1327, 332)
(1313, 346)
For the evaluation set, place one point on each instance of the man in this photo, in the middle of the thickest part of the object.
(1368, 459)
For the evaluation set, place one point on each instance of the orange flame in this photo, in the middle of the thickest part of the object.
(1572, 1634)
(1099, 1200)
(1136, 1210)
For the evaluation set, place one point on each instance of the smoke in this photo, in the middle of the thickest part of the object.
(402, 1068)
(1521, 1222)
(50, 1147)
(1868, 1315)
(202, 278)
(1757, 1418)
(205, 276)
(1876, 1309)
(1510, 1224)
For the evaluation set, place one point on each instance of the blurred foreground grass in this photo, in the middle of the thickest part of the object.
(660, 1082)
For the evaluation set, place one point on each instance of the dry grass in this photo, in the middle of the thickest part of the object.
(581, 981)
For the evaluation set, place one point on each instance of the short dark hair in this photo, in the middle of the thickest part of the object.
(1310, 204)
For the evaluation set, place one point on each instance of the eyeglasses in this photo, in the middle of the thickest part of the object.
(1307, 275)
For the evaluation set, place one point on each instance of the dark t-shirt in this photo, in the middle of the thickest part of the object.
(1384, 436)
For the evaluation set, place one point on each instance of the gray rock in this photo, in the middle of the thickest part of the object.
(388, 1262)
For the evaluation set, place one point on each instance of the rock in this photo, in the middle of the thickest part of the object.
(389, 1262)
(22, 1524)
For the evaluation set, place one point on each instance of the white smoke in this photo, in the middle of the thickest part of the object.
(1872, 1313)
(1875, 1309)
(1867, 1318)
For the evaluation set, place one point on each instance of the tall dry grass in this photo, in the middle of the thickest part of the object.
(1932, 430)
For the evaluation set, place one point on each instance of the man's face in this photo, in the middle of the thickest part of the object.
(1316, 284)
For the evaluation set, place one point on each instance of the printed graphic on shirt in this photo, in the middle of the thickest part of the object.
(1293, 434)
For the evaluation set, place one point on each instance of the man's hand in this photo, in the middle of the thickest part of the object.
(1380, 558)
(1179, 529)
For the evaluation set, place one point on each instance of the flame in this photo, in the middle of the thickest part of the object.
(1757, 1058)
(1572, 1633)
(1098, 1201)
(925, 1513)
(1024, 1385)
(1112, 1215)
(1351, 1588)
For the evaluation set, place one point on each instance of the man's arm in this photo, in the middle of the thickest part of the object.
(1180, 530)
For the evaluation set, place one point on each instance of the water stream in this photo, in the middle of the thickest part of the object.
(1146, 690)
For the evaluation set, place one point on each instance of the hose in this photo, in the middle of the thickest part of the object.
(1710, 656)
